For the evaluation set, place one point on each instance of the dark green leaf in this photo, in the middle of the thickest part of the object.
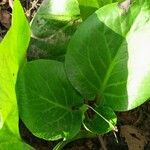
(49, 106)
(109, 56)
(52, 28)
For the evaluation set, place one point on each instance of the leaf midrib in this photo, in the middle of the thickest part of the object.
(49, 101)
(111, 66)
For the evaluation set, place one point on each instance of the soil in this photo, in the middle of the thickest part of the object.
(133, 126)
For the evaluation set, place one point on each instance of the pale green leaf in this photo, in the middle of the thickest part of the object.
(9, 141)
(12, 55)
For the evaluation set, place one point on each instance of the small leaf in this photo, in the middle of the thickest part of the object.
(104, 120)
(49, 106)
(52, 28)
(108, 56)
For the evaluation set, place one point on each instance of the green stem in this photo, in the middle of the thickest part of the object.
(80, 135)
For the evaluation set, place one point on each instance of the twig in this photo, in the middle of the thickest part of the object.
(102, 142)
(34, 5)
(10, 3)
(116, 137)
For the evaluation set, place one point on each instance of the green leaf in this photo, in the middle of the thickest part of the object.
(52, 27)
(10, 142)
(104, 120)
(12, 55)
(49, 106)
(88, 7)
(109, 56)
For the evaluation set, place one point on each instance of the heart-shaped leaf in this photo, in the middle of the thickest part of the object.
(12, 55)
(109, 56)
(48, 104)
(52, 28)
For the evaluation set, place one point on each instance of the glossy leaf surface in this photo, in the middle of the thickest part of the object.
(52, 28)
(108, 56)
(48, 104)
(103, 121)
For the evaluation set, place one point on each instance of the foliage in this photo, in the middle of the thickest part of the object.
(109, 65)
(102, 68)
(45, 107)
(88, 7)
(53, 25)
(12, 56)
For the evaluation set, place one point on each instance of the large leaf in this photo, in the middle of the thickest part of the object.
(88, 7)
(109, 56)
(48, 104)
(12, 55)
(52, 27)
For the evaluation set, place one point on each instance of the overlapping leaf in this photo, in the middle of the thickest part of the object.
(103, 120)
(12, 55)
(49, 106)
(109, 56)
(88, 7)
(52, 27)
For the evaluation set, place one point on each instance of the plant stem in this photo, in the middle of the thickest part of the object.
(80, 135)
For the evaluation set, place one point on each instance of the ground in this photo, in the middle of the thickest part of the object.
(133, 126)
